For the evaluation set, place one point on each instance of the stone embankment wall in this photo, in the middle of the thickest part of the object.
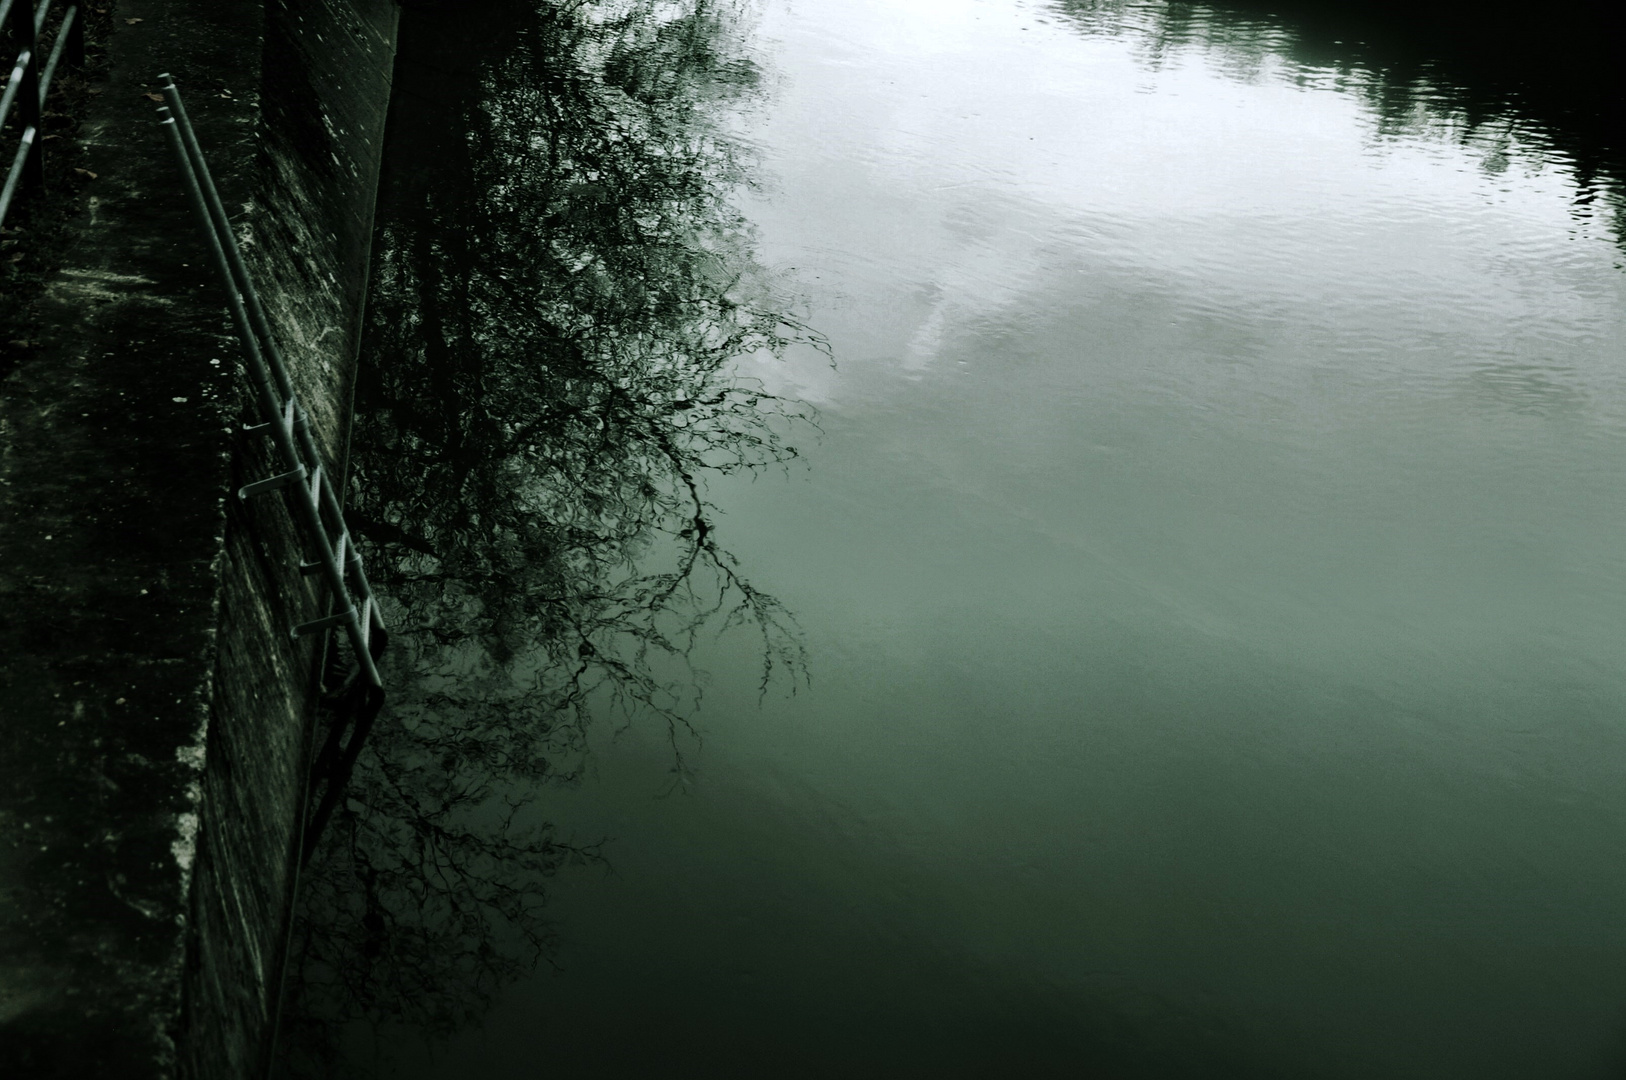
(153, 707)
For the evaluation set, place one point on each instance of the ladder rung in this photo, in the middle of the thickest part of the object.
(324, 623)
(309, 568)
(260, 487)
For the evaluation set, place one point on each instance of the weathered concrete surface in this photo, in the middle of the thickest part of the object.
(152, 705)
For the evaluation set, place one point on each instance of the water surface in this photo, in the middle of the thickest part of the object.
(1211, 570)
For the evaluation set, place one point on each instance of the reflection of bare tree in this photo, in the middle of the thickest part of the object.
(558, 297)
(1553, 81)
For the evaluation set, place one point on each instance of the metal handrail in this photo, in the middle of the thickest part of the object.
(284, 419)
(315, 502)
(28, 85)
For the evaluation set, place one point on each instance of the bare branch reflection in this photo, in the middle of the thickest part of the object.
(561, 287)
(1552, 85)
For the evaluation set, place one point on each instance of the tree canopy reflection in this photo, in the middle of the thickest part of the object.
(1548, 81)
(561, 284)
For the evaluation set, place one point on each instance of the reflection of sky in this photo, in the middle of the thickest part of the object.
(1211, 573)
(1002, 148)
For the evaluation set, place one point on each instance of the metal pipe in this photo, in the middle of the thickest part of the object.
(29, 89)
(16, 172)
(285, 419)
(222, 225)
(28, 82)
(15, 82)
(270, 405)
(256, 312)
(62, 36)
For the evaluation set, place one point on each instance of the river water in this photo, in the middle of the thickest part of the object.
(1212, 576)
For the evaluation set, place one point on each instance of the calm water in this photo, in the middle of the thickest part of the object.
(1212, 573)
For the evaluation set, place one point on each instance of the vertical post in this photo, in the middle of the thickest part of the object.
(29, 99)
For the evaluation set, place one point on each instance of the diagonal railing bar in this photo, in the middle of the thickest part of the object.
(28, 85)
(19, 165)
(22, 64)
(315, 503)
(65, 37)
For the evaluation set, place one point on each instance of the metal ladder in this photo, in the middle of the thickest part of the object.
(315, 502)
(313, 497)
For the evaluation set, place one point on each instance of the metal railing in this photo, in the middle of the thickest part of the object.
(30, 82)
(314, 498)
(316, 505)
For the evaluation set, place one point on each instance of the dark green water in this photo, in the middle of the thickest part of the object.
(1212, 577)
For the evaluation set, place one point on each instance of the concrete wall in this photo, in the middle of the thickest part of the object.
(153, 709)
